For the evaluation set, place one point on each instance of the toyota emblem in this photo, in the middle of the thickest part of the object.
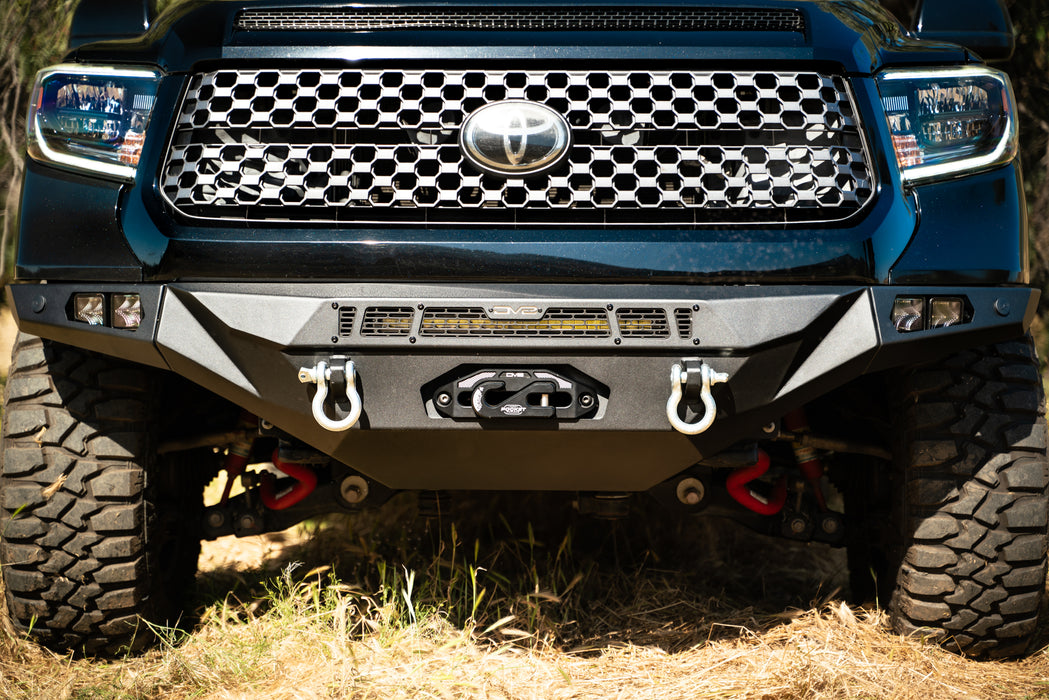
(515, 137)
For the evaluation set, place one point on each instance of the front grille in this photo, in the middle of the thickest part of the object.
(681, 148)
(452, 322)
(691, 19)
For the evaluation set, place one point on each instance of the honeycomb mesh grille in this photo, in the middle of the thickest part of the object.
(347, 315)
(381, 146)
(387, 321)
(456, 322)
(358, 19)
(643, 323)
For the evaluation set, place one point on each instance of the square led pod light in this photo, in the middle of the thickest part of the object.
(89, 309)
(946, 311)
(127, 311)
(908, 314)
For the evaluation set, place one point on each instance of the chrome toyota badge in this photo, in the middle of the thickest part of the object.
(515, 137)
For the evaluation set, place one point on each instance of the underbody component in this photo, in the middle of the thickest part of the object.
(806, 457)
(305, 482)
(238, 453)
(738, 487)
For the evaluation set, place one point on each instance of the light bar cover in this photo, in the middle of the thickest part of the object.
(949, 121)
(91, 118)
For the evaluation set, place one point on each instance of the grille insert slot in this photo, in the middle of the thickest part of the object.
(387, 321)
(643, 323)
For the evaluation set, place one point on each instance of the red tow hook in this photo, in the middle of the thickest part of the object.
(306, 478)
(737, 488)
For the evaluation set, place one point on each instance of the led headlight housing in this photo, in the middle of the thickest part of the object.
(948, 121)
(91, 118)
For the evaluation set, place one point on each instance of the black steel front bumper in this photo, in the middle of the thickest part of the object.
(780, 346)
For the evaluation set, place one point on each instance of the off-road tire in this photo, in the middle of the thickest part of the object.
(970, 501)
(96, 538)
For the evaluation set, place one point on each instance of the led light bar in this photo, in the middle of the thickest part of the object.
(949, 121)
(552, 325)
(91, 118)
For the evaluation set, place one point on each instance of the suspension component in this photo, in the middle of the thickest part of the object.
(238, 453)
(342, 375)
(808, 461)
(738, 488)
(684, 381)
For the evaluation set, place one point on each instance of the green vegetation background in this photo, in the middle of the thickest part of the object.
(32, 35)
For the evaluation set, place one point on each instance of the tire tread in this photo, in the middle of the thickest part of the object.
(973, 500)
(75, 503)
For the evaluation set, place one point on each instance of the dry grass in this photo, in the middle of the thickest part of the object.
(648, 607)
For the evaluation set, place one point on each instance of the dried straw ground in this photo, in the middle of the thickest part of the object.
(630, 623)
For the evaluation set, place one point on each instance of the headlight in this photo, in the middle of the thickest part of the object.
(947, 121)
(91, 118)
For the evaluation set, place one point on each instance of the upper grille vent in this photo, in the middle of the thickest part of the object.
(360, 19)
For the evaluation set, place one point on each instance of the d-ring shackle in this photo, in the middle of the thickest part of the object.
(678, 378)
(320, 374)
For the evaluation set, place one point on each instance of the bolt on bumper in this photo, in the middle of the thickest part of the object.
(780, 347)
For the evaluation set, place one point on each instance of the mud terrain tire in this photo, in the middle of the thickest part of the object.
(969, 501)
(96, 538)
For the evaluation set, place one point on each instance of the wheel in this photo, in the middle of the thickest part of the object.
(968, 515)
(96, 537)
